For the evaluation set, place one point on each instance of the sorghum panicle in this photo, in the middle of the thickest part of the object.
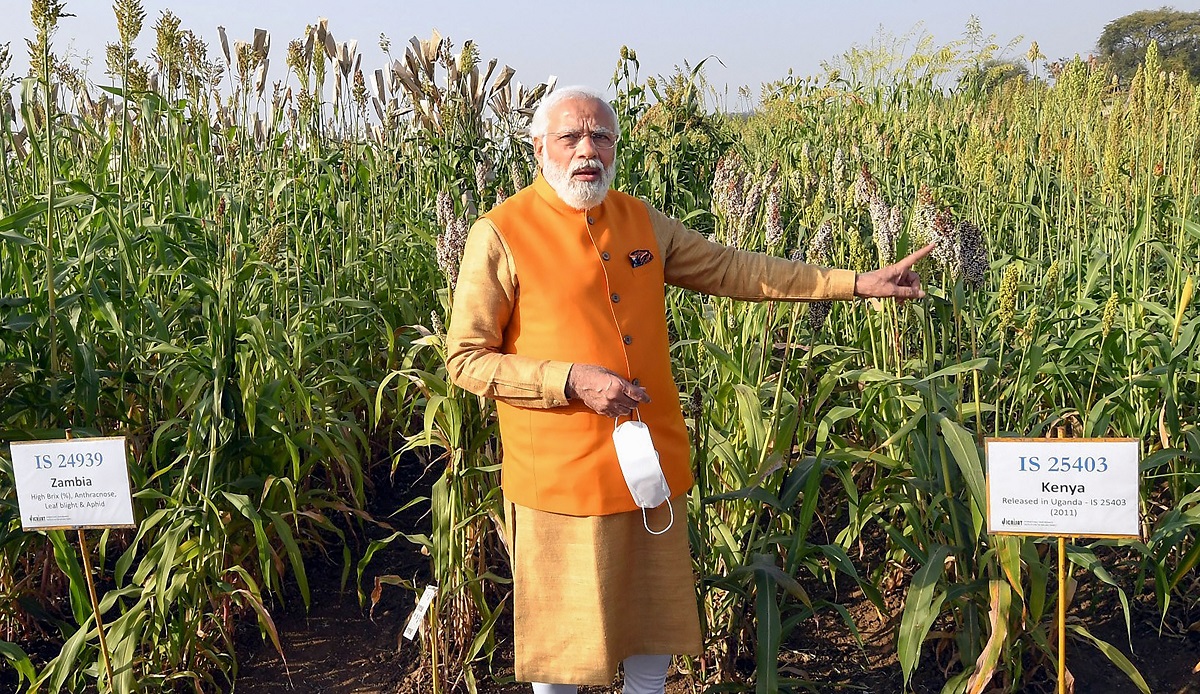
(445, 208)
(818, 312)
(358, 92)
(885, 231)
(753, 200)
(294, 57)
(515, 175)
(130, 16)
(772, 176)
(450, 248)
(1110, 314)
(820, 252)
(820, 249)
(1008, 295)
(972, 254)
(935, 226)
(483, 174)
(735, 197)
(468, 58)
(860, 255)
(866, 190)
(270, 243)
(1053, 275)
(114, 59)
(774, 222)
(696, 404)
(1031, 322)
(726, 178)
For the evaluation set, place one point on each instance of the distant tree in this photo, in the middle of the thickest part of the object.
(991, 73)
(1123, 43)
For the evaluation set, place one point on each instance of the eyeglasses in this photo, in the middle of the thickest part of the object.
(571, 139)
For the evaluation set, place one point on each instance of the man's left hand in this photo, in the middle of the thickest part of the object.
(897, 280)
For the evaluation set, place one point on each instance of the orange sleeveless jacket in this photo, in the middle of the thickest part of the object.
(580, 299)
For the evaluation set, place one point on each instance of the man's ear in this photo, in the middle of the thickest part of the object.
(538, 144)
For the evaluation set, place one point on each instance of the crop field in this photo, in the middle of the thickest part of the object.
(250, 280)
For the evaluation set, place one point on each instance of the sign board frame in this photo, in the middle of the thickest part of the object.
(75, 455)
(1128, 462)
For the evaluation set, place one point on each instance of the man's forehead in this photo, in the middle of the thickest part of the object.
(580, 111)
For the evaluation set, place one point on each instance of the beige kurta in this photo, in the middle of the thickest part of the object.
(590, 591)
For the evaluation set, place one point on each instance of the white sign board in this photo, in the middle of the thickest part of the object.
(1069, 487)
(79, 483)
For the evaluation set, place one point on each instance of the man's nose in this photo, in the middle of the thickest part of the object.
(585, 148)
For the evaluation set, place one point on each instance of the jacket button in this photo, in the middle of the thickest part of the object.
(591, 221)
(636, 382)
(616, 298)
(628, 339)
(606, 256)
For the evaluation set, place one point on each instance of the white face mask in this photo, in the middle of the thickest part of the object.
(643, 474)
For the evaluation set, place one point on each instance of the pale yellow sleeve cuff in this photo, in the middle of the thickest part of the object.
(554, 383)
(841, 283)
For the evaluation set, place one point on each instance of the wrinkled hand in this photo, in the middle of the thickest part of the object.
(603, 391)
(897, 280)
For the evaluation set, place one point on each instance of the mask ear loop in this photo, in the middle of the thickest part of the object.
(632, 415)
(646, 523)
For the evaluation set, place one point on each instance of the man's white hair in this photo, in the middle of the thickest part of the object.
(541, 116)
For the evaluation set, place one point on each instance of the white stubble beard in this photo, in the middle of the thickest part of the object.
(580, 195)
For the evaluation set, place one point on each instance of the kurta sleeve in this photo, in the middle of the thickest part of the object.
(693, 262)
(483, 304)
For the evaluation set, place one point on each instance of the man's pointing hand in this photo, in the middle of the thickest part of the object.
(897, 280)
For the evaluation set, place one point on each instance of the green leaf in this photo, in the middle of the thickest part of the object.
(68, 562)
(19, 323)
(838, 558)
(66, 663)
(1117, 657)
(770, 633)
(835, 415)
(982, 364)
(17, 238)
(1099, 417)
(753, 421)
(922, 606)
(15, 655)
(962, 446)
(1008, 552)
(295, 557)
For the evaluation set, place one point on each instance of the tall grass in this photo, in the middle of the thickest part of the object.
(250, 281)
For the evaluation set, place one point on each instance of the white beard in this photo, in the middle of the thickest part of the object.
(580, 195)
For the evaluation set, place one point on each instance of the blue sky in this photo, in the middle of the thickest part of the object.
(756, 41)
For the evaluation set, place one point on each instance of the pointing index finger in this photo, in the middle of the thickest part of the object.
(912, 258)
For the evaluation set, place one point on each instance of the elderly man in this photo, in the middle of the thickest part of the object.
(559, 315)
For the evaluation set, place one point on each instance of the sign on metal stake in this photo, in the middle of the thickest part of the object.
(1063, 488)
(75, 484)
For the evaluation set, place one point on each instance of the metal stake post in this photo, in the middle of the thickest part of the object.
(1062, 614)
(87, 573)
